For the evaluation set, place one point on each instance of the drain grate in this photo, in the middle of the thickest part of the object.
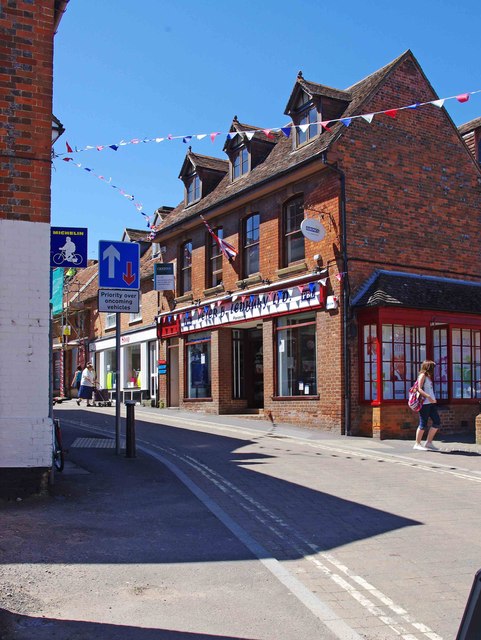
(93, 443)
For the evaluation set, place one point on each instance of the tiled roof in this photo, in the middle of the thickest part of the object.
(469, 126)
(209, 162)
(314, 89)
(388, 289)
(137, 235)
(282, 158)
(83, 285)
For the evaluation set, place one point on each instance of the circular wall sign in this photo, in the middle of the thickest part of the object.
(312, 229)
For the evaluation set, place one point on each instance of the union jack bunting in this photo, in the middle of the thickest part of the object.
(226, 248)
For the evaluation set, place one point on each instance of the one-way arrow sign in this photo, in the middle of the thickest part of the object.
(119, 265)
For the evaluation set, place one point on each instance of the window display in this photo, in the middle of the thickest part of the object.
(198, 366)
(296, 356)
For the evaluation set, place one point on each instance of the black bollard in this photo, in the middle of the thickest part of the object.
(130, 430)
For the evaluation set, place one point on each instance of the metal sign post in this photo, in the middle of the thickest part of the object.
(119, 268)
(117, 383)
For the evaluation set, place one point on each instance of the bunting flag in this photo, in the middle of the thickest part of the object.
(285, 130)
(122, 192)
(227, 249)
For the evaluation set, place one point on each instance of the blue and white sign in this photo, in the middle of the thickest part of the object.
(68, 247)
(119, 265)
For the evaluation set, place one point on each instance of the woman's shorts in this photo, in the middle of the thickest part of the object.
(429, 411)
(85, 392)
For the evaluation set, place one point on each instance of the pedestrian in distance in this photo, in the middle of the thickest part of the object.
(429, 408)
(77, 377)
(87, 384)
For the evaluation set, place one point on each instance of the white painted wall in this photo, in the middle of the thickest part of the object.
(25, 428)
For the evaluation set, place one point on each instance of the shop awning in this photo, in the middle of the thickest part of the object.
(393, 288)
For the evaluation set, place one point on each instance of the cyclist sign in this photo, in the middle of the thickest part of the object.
(68, 247)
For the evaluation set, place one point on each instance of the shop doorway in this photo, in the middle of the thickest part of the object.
(173, 398)
(248, 366)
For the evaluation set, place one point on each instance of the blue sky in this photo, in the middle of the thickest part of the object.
(146, 69)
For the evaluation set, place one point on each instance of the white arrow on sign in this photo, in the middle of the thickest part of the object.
(111, 254)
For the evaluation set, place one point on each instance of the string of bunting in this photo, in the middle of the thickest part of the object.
(108, 182)
(286, 130)
(250, 297)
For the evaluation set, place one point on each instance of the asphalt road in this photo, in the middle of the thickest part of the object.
(231, 528)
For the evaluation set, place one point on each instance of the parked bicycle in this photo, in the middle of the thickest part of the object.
(57, 453)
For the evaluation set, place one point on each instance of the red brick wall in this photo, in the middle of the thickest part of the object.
(411, 190)
(26, 62)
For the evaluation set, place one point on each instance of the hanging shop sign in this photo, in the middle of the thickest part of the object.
(313, 229)
(245, 307)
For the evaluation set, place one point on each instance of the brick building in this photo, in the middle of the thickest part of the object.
(27, 29)
(327, 327)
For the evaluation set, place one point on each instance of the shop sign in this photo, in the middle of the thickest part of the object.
(255, 306)
(164, 276)
(313, 229)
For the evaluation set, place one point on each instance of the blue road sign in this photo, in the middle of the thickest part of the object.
(119, 265)
(68, 247)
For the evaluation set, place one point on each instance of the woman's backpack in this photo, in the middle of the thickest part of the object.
(415, 399)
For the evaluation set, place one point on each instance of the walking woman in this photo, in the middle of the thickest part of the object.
(429, 408)
(87, 384)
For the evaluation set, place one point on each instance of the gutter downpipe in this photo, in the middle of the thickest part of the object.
(345, 298)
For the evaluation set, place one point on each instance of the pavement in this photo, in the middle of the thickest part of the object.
(83, 562)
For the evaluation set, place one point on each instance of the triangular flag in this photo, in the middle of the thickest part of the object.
(286, 131)
(415, 105)
(170, 136)
(135, 141)
(268, 133)
(391, 113)
(312, 286)
(368, 117)
(186, 139)
(213, 136)
(231, 135)
(340, 276)
(159, 139)
(122, 143)
(67, 159)
(346, 121)
(114, 147)
(100, 147)
(438, 103)
(249, 134)
(303, 127)
(324, 125)
(323, 282)
(463, 97)
(201, 136)
(69, 148)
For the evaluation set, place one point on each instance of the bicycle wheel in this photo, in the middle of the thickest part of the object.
(58, 258)
(76, 258)
(58, 457)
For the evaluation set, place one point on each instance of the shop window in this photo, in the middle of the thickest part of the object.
(198, 366)
(293, 240)
(251, 238)
(186, 267)
(440, 357)
(403, 351)
(110, 369)
(370, 361)
(296, 356)
(132, 366)
(214, 259)
(466, 363)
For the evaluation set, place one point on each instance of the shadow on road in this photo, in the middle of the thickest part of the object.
(137, 511)
(21, 627)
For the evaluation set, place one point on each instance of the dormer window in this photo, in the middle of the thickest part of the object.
(308, 121)
(240, 162)
(193, 188)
